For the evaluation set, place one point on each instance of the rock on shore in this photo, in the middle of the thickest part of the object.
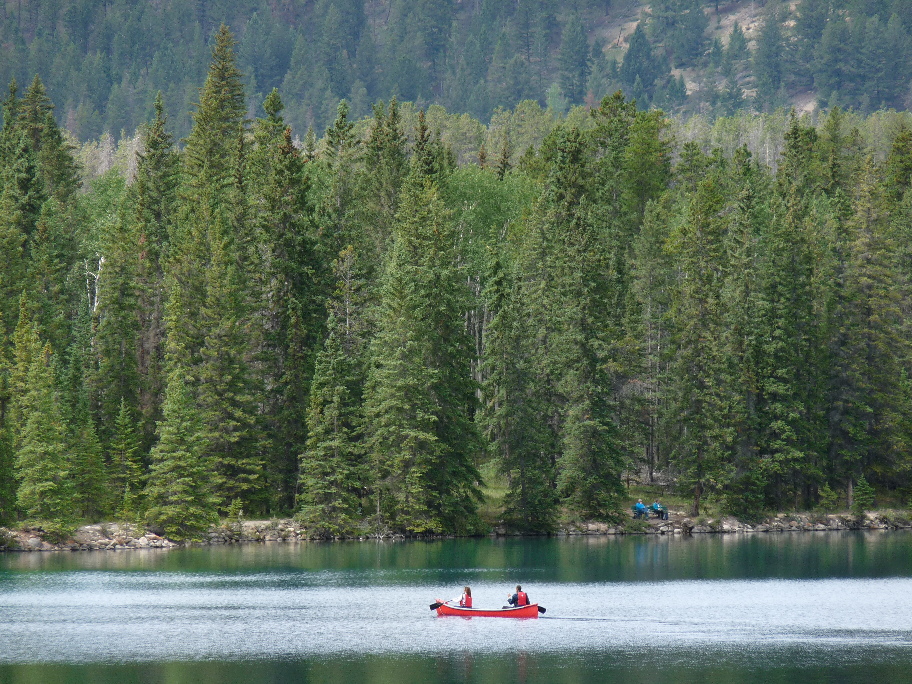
(122, 536)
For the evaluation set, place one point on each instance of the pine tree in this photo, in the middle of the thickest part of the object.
(768, 65)
(574, 60)
(334, 474)
(512, 405)
(568, 279)
(385, 156)
(125, 464)
(208, 313)
(54, 155)
(869, 396)
(156, 194)
(179, 491)
(420, 394)
(289, 282)
(42, 467)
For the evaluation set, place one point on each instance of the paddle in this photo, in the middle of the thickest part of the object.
(435, 606)
(541, 609)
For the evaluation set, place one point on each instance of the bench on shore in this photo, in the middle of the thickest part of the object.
(661, 512)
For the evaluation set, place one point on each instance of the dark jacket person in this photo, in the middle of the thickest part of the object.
(520, 598)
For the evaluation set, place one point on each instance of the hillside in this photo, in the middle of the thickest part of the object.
(103, 63)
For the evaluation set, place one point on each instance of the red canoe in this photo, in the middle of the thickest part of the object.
(530, 611)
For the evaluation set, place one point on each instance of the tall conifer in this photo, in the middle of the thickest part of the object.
(420, 394)
(42, 467)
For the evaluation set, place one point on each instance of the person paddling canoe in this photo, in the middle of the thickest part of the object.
(466, 600)
(520, 598)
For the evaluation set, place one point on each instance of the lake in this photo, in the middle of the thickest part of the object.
(719, 609)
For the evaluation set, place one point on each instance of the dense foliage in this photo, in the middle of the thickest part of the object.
(353, 329)
(104, 62)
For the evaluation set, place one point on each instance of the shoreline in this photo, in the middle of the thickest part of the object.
(114, 536)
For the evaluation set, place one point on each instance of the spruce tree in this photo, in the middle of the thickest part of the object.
(574, 60)
(420, 394)
(385, 156)
(7, 455)
(208, 313)
(570, 290)
(869, 394)
(42, 467)
(512, 405)
(789, 331)
(115, 312)
(180, 492)
(334, 474)
(289, 305)
(125, 464)
(53, 154)
(696, 402)
(155, 204)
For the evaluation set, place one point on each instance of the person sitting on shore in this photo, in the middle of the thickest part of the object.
(660, 510)
(639, 509)
(466, 600)
(520, 598)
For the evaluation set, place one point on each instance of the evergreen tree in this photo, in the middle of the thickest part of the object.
(21, 196)
(91, 496)
(54, 155)
(512, 406)
(115, 310)
(768, 65)
(339, 204)
(420, 395)
(125, 464)
(568, 277)
(737, 44)
(26, 347)
(7, 455)
(574, 60)
(208, 256)
(740, 304)
(42, 467)
(155, 202)
(681, 25)
(640, 63)
(696, 402)
(179, 492)
(334, 474)
(289, 310)
(869, 403)
(385, 156)
(789, 333)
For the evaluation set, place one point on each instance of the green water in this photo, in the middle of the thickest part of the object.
(809, 607)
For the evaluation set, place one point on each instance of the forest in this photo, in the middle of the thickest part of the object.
(103, 63)
(367, 329)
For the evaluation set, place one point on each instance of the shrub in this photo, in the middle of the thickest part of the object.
(829, 500)
(864, 497)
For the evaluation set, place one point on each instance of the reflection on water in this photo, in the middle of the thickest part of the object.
(834, 606)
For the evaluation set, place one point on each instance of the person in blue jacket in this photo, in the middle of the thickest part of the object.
(640, 509)
(660, 510)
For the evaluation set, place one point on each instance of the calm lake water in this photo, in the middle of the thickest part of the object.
(808, 607)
